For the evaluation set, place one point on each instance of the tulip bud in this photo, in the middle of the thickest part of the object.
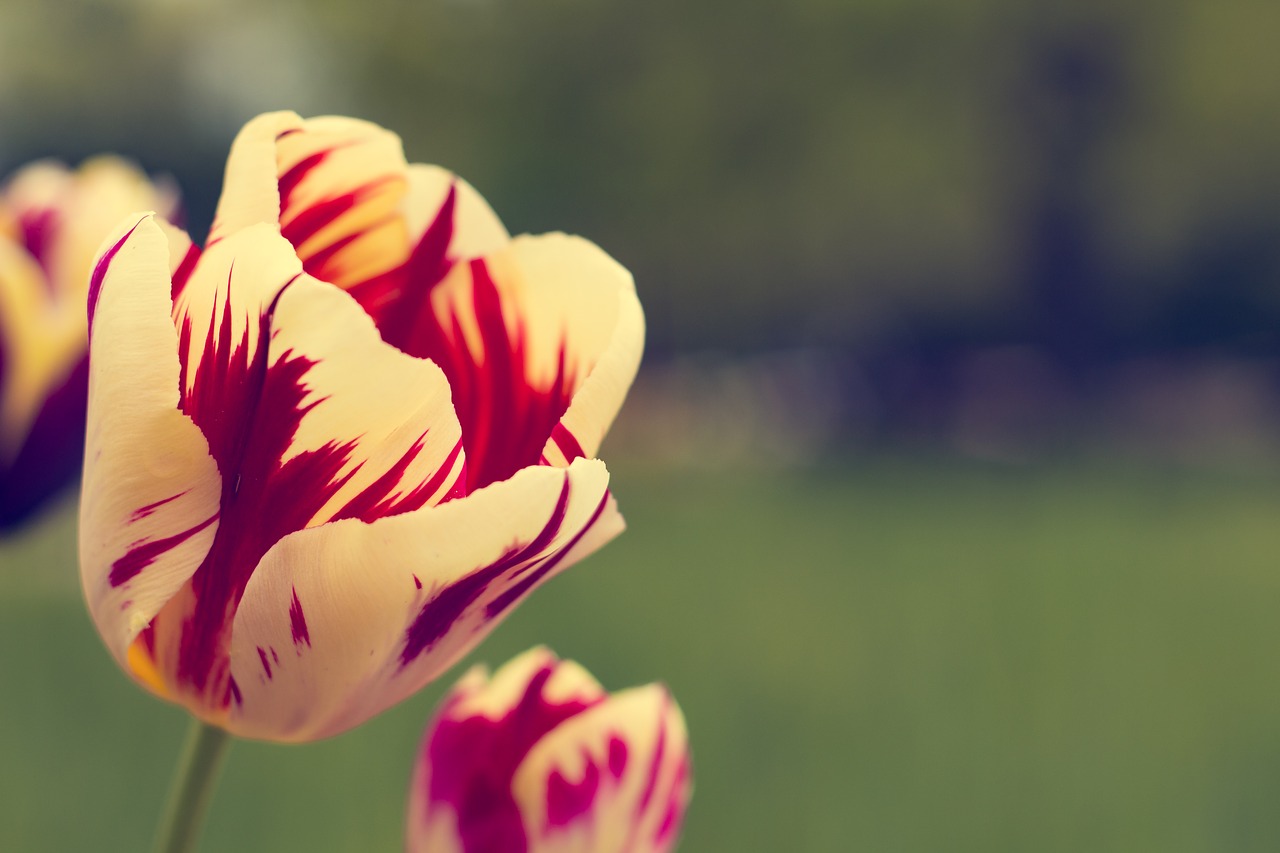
(540, 758)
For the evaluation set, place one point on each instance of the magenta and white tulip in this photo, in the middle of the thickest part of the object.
(539, 758)
(329, 451)
(52, 220)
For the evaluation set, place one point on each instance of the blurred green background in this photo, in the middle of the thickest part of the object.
(953, 472)
(902, 654)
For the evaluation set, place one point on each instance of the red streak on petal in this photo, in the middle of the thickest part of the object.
(182, 274)
(669, 828)
(38, 229)
(142, 554)
(249, 413)
(506, 417)
(266, 665)
(299, 224)
(298, 622)
(311, 220)
(379, 500)
(143, 512)
(568, 445)
(396, 300)
(100, 273)
(294, 176)
(430, 259)
(318, 263)
(617, 756)
(450, 604)
(513, 593)
(473, 761)
(655, 766)
(566, 800)
(228, 378)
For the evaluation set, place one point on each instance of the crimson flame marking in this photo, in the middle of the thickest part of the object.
(450, 604)
(249, 411)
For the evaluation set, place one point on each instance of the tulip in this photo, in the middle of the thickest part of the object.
(326, 454)
(540, 758)
(51, 221)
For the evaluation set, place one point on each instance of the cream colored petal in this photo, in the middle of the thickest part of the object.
(479, 694)
(388, 416)
(249, 187)
(476, 228)
(149, 504)
(355, 617)
(335, 185)
(575, 285)
(570, 328)
(219, 315)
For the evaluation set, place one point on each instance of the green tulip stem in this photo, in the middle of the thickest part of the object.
(192, 788)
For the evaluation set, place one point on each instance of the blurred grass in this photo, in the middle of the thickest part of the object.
(902, 654)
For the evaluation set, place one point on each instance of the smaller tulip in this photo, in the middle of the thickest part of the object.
(540, 758)
(51, 221)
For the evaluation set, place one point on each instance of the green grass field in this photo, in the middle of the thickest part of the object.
(892, 655)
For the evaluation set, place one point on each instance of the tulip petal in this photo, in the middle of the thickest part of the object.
(149, 505)
(250, 195)
(300, 437)
(521, 334)
(612, 779)
(613, 361)
(356, 213)
(342, 185)
(336, 186)
(42, 342)
(222, 316)
(460, 796)
(62, 213)
(389, 416)
(322, 607)
(494, 696)
(450, 222)
(475, 229)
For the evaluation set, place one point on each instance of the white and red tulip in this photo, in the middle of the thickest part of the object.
(52, 220)
(540, 759)
(327, 453)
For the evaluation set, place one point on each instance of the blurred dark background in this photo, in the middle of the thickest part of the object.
(1002, 224)
(953, 469)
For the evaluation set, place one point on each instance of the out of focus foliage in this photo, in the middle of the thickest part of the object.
(773, 172)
